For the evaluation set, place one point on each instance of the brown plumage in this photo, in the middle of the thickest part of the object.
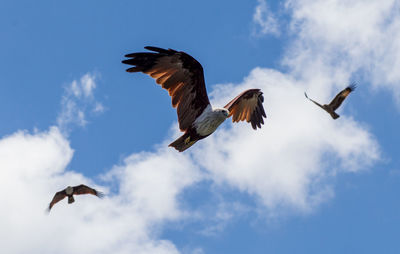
(70, 191)
(248, 107)
(336, 102)
(182, 76)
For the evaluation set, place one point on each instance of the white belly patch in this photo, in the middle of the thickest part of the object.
(208, 122)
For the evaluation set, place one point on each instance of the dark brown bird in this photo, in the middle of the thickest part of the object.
(336, 102)
(70, 191)
(182, 76)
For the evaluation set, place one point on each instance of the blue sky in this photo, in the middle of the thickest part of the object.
(303, 183)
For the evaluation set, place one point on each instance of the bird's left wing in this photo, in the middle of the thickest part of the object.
(339, 98)
(316, 103)
(180, 74)
(57, 197)
(83, 189)
(248, 106)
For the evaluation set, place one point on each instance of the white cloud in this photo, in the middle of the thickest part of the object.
(264, 20)
(338, 39)
(152, 181)
(125, 222)
(77, 100)
(221, 216)
(288, 165)
(88, 84)
(282, 166)
(98, 108)
(289, 161)
(82, 88)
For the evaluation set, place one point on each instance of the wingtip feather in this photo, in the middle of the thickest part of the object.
(134, 69)
(100, 194)
(352, 86)
(156, 49)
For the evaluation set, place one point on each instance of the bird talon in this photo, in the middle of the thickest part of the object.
(187, 140)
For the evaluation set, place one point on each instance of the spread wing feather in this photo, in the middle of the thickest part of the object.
(83, 189)
(180, 74)
(316, 103)
(57, 197)
(248, 106)
(339, 98)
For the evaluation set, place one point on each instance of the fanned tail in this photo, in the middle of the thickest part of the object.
(183, 142)
(334, 115)
(71, 199)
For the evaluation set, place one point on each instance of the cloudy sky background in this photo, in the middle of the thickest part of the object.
(303, 183)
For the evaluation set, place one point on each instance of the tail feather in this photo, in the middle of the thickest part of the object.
(334, 115)
(183, 142)
(71, 199)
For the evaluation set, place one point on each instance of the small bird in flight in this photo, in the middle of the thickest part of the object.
(336, 102)
(183, 77)
(70, 191)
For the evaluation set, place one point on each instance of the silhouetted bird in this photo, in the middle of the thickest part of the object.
(183, 77)
(70, 191)
(336, 102)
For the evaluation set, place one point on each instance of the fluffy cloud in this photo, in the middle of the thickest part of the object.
(288, 162)
(77, 100)
(264, 20)
(288, 165)
(285, 164)
(337, 39)
(152, 181)
(125, 222)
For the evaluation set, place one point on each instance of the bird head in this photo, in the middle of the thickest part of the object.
(224, 112)
(69, 190)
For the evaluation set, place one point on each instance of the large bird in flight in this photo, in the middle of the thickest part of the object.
(182, 76)
(71, 191)
(336, 102)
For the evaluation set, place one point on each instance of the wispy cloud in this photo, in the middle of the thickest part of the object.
(221, 216)
(264, 20)
(77, 101)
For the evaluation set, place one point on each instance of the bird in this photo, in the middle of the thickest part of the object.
(70, 191)
(182, 76)
(336, 102)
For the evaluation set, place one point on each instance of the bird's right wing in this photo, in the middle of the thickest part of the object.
(339, 98)
(316, 103)
(180, 74)
(83, 189)
(57, 197)
(248, 106)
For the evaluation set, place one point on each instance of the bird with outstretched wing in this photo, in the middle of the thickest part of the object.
(336, 102)
(182, 76)
(71, 191)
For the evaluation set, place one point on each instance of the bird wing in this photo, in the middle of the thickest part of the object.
(57, 197)
(83, 189)
(248, 106)
(339, 98)
(180, 74)
(316, 103)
